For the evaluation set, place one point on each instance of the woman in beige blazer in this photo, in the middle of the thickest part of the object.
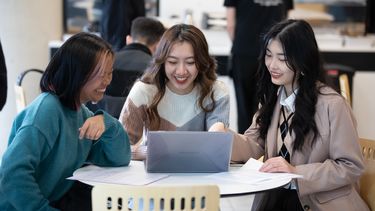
(302, 127)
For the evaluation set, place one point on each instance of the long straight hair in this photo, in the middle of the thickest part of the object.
(303, 58)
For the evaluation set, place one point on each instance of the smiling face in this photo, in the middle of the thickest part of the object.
(101, 77)
(180, 68)
(276, 63)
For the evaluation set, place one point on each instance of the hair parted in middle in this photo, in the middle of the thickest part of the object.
(206, 66)
(303, 58)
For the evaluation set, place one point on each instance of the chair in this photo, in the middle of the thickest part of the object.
(344, 87)
(340, 77)
(147, 198)
(367, 181)
(20, 92)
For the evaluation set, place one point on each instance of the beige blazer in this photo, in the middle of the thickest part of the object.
(331, 168)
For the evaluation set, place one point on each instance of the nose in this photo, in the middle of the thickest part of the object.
(272, 63)
(181, 69)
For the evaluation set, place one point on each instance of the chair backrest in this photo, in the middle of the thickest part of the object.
(344, 87)
(340, 77)
(122, 82)
(19, 90)
(367, 181)
(147, 198)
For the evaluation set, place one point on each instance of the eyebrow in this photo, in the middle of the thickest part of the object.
(174, 57)
(279, 54)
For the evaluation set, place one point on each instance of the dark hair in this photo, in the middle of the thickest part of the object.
(71, 67)
(205, 64)
(147, 29)
(303, 58)
(3, 79)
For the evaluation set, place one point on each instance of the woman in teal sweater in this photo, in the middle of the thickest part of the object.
(56, 134)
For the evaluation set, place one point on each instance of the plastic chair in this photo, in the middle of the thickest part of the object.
(20, 92)
(155, 198)
(367, 181)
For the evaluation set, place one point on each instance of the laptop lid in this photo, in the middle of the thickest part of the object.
(188, 151)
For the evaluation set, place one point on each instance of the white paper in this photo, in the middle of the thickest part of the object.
(252, 164)
(249, 174)
(116, 175)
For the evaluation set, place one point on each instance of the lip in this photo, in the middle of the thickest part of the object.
(275, 74)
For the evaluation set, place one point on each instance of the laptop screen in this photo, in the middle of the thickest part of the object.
(188, 151)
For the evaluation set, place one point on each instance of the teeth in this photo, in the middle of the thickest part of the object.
(180, 78)
(101, 90)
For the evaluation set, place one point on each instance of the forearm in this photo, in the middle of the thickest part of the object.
(244, 148)
(231, 21)
(113, 148)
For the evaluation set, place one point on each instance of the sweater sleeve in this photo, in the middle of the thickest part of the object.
(344, 164)
(19, 164)
(133, 114)
(113, 148)
(221, 111)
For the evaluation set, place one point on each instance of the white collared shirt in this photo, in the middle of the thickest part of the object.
(288, 102)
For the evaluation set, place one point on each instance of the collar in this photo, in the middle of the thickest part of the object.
(137, 46)
(288, 102)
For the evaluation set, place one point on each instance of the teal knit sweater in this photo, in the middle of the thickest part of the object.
(44, 149)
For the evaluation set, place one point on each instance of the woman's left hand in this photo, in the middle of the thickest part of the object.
(92, 128)
(277, 164)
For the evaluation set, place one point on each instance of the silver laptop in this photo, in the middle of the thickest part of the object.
(188, 151)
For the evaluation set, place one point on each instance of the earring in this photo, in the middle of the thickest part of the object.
(302, 73)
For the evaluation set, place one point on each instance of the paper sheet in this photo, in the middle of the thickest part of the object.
(116, 175)
(249, 174)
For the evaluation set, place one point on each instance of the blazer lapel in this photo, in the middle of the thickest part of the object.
(271, 140)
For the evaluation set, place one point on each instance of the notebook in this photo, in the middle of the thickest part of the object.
(188, 151)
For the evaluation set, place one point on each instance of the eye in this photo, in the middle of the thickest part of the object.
(282, 59)
(171, 62)
(190, 62)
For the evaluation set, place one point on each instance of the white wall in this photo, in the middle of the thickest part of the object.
(364, 103)
(25, 29)
(170, 8)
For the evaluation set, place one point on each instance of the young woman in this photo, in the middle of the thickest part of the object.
(303, 127)
(56, 134)
(179, 91)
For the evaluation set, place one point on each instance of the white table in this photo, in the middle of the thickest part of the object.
(136, 172)
(234, 195)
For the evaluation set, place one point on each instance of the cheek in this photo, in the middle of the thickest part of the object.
(193, 70)
(267, 62)
(168, 69)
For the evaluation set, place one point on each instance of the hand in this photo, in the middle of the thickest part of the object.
(277, 164)
(92, 128)
(217, 127)
(139, 152)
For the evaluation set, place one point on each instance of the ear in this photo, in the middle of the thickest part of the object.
(129, 39)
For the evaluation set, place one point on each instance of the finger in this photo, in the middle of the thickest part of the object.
(266, 167)
(83, 130)
(98, 134)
